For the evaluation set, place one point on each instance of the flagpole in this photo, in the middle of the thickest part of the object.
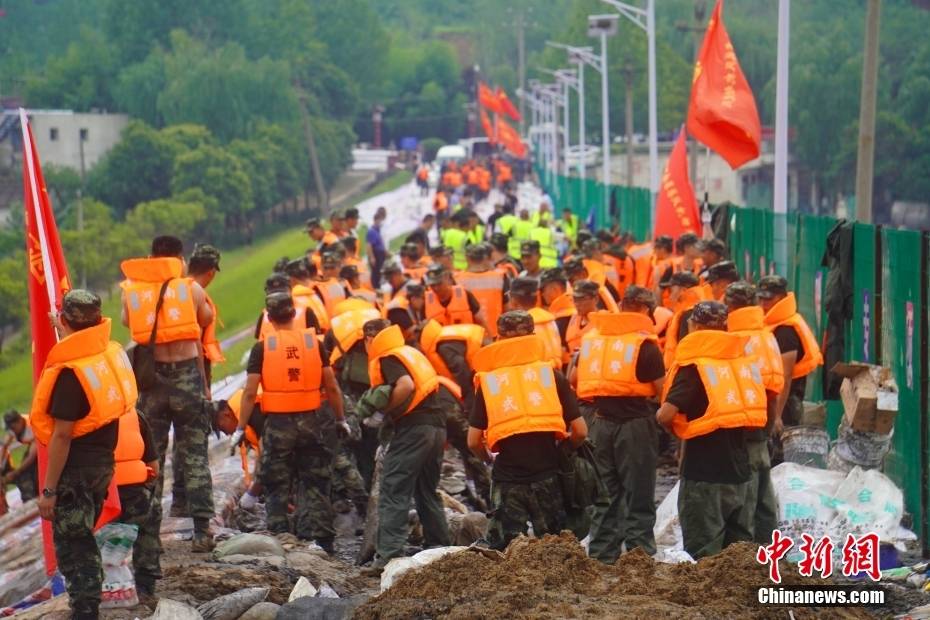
(40, 223)
(705, 206)
(780, 188)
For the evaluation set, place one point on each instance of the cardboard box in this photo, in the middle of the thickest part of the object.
(869, 395)
(815, 414)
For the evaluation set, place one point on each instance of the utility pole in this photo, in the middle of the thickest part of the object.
(82, 136)
(521, 65)
(322, 197)
(865, 160)
(697, 30)
(628, 113)
(780, 185)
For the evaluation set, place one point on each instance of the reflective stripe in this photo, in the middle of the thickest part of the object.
(92, 378)
(182, 291)
(546, 377)
(134, 301)
(309, 341)
(272, 343)
(712, 376)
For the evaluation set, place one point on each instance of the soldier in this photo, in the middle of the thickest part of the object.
(488, 285)
(585, 297)
(320, 235)
(501, 259)
(556, 298)
(450, 303)
(451, 349)
(413, 461)
(685, 291)
(530, 258)
(26, 475)
(713, 392)
(442, 255)
(293, 370)
(689, 250)
(576, 271)
(330, 289)
(800, 352)
(713, 251)
(620, 367)
(525, 407)
(163, 308)
(86, 385)
(718, 277)
(524, 295)
(746, 318)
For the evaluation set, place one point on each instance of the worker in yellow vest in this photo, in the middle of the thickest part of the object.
(162, 307)
(800, 351)
(712, 394)
(569, 225)
(520, 232)
(620, 367)
(524, 295)
(746, 318)
(455, 237)
(87, 384)
(545, 237)
(523, 407)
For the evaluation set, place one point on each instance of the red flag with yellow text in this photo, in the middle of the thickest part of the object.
(487, 126)
(509, 138)
(488, 98)
(506, 105)
(48, 282)
(722, 112)
(676, 206)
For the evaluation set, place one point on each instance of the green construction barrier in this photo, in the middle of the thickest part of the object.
(901, 322)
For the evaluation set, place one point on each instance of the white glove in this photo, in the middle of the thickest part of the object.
(247, 501)
(235, 439)
(342, 427)
(374, 421)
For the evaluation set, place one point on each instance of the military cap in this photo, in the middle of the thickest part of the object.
(590, 247)
(585, 288)
(410, 250)
(297, 268)
(440, 251)
(435, 274)
(686, 240)
(351, 213)
(524, 286)
(665, 242)
(638, 296)
(314, 222)
(499, 241)
(724, 270)
(11, 417)
(277, 301)
(476, 251)
(529, 247)
(617, 251)
(375, 327)
(604, 235)
(330, 259)
(582, 236)
(81, 306)
(390, 267)
(714, 245)
(348, 272)
(772, 286)
(681, 278)
(741, 294)
(415, 290)
(337, 215)
(573, 266)
(206, 253)
(277, 282)
(552, 275)
(710, 314)
(516, 323)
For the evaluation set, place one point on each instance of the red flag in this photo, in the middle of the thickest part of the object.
(509, 138)
(506, 105)
(488, 98)
(676, 206)
(48, 282)
(722, 113)
(487, 126)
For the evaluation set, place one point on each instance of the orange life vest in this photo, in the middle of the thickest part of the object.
(750, 322)
(624, 270)
(507, 268)
(351, 303)
(785, 312)
(434, 334)
(129, 468)
(440, 202)
(347, 329)
(211, 346)
(735, 393)
(688, 299)
(415, 273)
(364, 275)
(548, 333)
(422, 173)
(518, 388)
(292, 372)
(575, 332)
(305, 297)
(609, 353)
(104, 372)
(329, 238)
(642, 261)
(563, 306)
(390, 343)
(504, 173)
(268, 327)
(488, 289)
(455, 313)
(452, 386)
(332, 291)
(177, 319)
(251, 438)
(484, 179)
(597, 271)
(662, 317)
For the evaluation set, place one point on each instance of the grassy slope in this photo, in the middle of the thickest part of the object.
(237, 291)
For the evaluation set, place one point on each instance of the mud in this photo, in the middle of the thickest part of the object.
(552, 578)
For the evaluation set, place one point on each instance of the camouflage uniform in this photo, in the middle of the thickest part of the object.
(457, 437)
(347, 480)
(177, 400)
(81, 492)
(298, 443)
(137, 509)
(540, 503)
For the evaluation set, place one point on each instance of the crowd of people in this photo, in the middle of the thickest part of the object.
(523, 341)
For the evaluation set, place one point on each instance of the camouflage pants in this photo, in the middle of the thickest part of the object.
(457, 436)
(136, 502)
(81, 491)
(27, 482)
(626, 454)
(177, 400)
(296, 452)
(347, 480)
(412, 465)
(713, 515)
(540, 503)
(761, 496)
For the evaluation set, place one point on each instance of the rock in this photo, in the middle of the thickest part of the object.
(326, 591)
(249, 544)
(453, 486)
(466, 529)
(320, 608)
(261, 611)
(239, 558)
(173, 610)
(302, 588)
(233, 605)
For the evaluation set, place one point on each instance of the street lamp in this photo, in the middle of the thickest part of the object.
(604, 26)
(646, 19)
(577, 55)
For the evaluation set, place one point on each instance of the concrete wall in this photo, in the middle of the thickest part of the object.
(57, 136)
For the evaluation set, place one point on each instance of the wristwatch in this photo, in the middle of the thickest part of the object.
(49, 492)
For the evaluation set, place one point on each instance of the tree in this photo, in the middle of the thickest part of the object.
(13, 305)
(220, 174)
(138, 86)
(166, 217)
(78, 80)
(63, 185)
(356, 40)
(95, 251)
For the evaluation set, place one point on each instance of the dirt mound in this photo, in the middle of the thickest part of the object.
(199, 583)
(553, 578)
